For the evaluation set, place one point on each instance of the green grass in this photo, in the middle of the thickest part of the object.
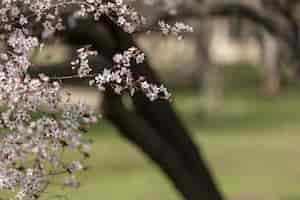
(252, 144)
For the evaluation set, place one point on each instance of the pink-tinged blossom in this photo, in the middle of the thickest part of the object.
(38, 122)
(176, 30)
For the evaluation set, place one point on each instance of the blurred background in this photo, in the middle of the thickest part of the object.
(235, 83)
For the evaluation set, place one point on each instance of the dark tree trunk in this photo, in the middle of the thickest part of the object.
(154, 145)
(153, 126)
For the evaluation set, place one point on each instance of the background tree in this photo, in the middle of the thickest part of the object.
(159, 133)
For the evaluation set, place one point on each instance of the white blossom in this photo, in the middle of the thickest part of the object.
(37, 121)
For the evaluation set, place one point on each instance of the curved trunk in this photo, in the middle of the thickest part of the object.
(153, 126)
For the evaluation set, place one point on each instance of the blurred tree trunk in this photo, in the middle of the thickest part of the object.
(210, 74)
(271, 64)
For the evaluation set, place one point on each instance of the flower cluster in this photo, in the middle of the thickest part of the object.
(37, 122)
(120, 77)
(117, 10)
(176, 30)
(82, 61)
(125, 58)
